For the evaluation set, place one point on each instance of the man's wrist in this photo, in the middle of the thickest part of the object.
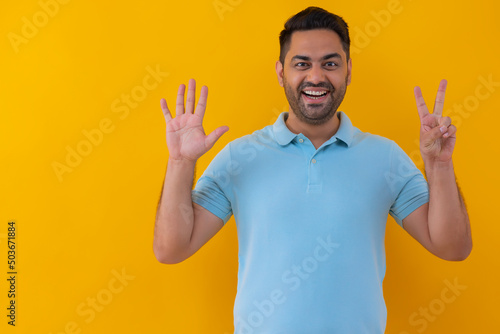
(433, 167)
(181, 162)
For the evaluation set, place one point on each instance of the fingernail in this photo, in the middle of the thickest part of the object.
(443, 129)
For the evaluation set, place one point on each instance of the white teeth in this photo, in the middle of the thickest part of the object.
(310, 92)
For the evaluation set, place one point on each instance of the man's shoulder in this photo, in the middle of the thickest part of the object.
(367, 138)
(246, 148)
(378, 146)
(264, 136)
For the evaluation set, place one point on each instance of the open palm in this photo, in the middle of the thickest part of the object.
(186, 138)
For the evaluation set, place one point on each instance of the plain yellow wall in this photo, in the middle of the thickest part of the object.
(87, 77)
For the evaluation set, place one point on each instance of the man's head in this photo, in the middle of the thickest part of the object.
(314, 18)
(314, 66)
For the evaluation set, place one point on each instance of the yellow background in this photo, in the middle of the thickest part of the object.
(76, 233)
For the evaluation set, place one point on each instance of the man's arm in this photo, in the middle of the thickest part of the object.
(181, 226)
(442, 225)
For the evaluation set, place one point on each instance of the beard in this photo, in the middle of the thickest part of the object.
(314, 113)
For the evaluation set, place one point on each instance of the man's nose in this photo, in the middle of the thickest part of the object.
(316, 74)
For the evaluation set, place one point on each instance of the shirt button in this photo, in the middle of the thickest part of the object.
(313, 161)
(301, 140)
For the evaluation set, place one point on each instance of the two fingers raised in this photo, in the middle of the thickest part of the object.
(438, 104)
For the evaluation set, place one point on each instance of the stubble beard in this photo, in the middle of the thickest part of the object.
(314, 114)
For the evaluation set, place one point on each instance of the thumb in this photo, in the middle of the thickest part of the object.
(215, 135)
(434, 134)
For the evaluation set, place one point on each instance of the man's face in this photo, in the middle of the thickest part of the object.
(315, 75)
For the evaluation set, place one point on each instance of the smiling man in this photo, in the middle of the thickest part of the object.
(310, 194)
(314, 87)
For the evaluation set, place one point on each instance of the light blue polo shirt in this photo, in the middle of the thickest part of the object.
(311, 225)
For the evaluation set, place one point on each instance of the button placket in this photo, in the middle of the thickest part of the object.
(314, 182)
(314, 179)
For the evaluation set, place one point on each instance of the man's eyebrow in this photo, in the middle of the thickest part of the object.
(332, 55)
(328, 56)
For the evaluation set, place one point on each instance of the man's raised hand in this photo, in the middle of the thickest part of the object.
(186, 139)
(437, 134)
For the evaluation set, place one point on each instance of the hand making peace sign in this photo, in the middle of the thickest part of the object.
(437, 134)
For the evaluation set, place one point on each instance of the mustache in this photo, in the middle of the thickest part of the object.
(321, 84)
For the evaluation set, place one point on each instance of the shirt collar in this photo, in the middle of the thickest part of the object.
(284, 136)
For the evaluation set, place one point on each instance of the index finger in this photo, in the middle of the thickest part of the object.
(202, 102)
(421, 106)
(439, 104)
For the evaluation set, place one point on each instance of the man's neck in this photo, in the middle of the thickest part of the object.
(317, 134)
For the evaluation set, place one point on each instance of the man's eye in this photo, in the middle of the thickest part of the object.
(301, 64)
(331, 64)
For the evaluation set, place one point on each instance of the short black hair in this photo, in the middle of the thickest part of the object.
(314, 18)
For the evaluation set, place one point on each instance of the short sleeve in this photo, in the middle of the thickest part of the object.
(213, 189)
(408, 185)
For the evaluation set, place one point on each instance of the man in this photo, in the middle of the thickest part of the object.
(310, 194)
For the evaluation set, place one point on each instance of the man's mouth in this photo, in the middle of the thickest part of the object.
(315, 96)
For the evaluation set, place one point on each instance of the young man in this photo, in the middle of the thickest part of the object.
(310, 194)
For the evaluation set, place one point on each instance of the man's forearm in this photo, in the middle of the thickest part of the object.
(174, 216)
(448, 221)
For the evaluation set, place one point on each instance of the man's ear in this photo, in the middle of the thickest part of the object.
(349, 68)
(279, 72)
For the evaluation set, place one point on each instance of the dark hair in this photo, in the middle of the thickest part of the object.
(314, 18)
